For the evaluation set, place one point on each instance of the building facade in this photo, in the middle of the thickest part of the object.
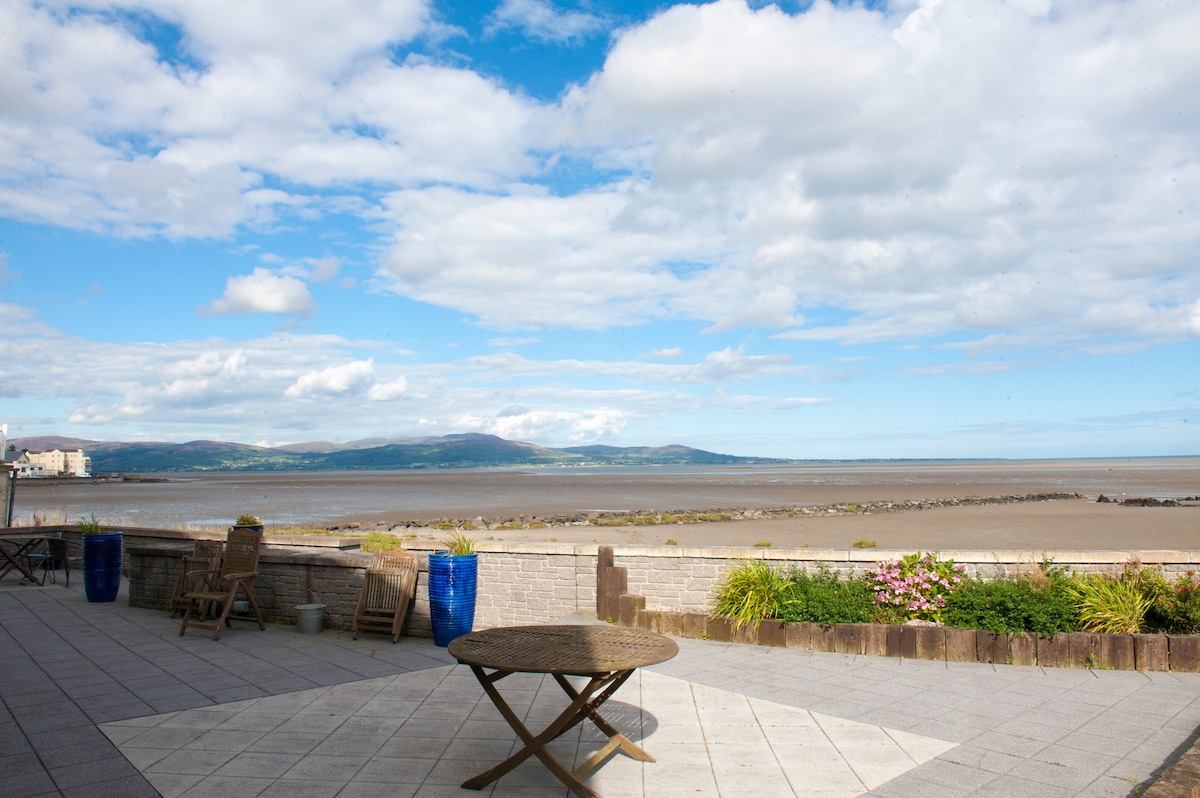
(52, 463)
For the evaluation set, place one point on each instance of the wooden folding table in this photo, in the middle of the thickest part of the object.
(24, 542)
(606, 655)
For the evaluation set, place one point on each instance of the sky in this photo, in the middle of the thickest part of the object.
(945, 229)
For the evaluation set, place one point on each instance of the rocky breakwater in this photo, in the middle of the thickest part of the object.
(1186, 501)
(667, 517)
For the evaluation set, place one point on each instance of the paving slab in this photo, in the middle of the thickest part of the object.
(104, 699)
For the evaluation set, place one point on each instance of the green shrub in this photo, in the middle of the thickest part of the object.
(825, 598)
(1006, 606)
(1176, 608)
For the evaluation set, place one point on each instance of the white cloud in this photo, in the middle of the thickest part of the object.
(262, 291)
(313, 99)
(335, 380)
(540, 19)
(530, 260)
(964, 167)
(387, 391)
(530, 425)
(1001, 171)
(325, 269)
(726, 365)
(208, 364)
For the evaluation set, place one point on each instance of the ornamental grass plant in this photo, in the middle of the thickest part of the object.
(752, 592)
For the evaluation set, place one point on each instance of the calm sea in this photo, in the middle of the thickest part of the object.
(326, 498)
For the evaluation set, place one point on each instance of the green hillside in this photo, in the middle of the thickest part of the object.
(450, 451)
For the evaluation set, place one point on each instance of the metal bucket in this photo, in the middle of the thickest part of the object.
(310, 618)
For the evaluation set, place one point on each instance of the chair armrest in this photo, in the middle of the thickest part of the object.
(232, 577)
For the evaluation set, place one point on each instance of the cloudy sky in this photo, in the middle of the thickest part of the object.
(958, 228)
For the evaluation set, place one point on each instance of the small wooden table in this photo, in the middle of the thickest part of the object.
(607, 655)
(24, 542)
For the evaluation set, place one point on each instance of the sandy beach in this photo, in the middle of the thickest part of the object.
(1067, 525)
(1079, 524)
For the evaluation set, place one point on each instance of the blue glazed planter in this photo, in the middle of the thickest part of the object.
(452, 580)
(102, 566)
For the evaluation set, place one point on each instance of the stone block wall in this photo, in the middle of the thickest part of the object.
(534, 586)
(532, 583)
(515, 587)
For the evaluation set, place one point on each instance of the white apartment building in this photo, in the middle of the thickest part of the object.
(53, 462)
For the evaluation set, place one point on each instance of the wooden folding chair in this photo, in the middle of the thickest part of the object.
(204, 559)
(388, 587)
(57, 556)
(223, 585)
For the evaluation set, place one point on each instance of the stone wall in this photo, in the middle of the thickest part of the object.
(534, 583)
(515, 587)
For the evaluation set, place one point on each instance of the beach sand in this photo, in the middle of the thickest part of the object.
(1065, 525)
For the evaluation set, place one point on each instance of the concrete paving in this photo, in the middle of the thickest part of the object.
(102, 699)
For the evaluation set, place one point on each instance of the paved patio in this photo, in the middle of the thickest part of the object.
(102, 699)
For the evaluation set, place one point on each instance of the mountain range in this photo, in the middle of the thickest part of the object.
(470, 450)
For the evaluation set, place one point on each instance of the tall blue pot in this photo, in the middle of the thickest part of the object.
(452, 580)
(102, 566)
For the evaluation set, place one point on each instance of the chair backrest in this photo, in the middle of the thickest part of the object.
(241, 551)
(394, 560)
(58, 550)
(209, 549)
(389, 581)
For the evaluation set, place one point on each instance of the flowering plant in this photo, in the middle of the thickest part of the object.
(915, 586)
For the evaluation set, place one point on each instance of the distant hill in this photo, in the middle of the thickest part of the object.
(469, 450)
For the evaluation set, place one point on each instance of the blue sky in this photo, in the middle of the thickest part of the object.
(964, 228)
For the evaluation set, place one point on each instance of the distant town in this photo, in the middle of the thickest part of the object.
(51, 463)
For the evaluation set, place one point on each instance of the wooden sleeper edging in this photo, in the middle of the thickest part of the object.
(1123, 652)
(1143, 652)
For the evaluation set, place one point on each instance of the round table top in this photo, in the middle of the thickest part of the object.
(577, 650)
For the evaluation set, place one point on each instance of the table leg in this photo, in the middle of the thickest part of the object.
(14, 561)
(616, 740)
(583, 705)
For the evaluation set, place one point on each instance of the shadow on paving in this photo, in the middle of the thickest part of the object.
(67, 666)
